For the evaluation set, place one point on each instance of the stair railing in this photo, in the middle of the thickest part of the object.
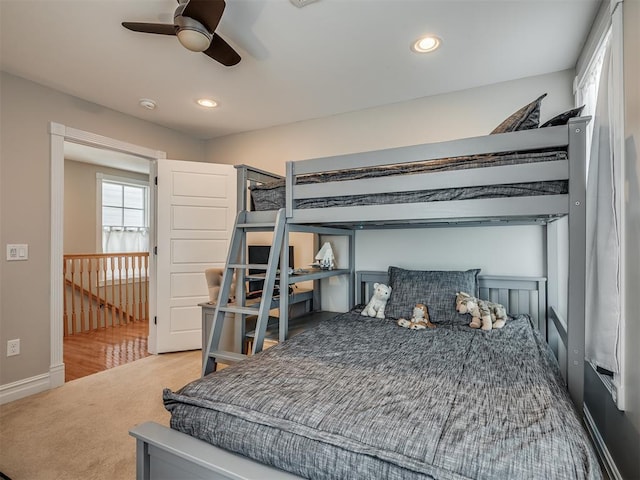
(104, 290)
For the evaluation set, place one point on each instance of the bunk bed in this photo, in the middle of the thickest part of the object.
(533, 430)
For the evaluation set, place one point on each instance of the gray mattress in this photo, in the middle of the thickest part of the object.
(361, 398)
(271, 195)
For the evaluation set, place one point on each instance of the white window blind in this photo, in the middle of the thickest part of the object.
(124, 215)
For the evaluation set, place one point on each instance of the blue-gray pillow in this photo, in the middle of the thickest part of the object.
(435, 288)
(563, 118)
(526, 118)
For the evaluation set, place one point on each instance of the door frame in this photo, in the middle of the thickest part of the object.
(59, 134)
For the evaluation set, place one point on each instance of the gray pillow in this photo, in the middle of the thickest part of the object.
(563, 118)
(526, 118)
(436, 289)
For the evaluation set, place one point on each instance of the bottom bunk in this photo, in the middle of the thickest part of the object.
(359, 397)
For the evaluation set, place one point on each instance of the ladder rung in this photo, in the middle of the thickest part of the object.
(237, 309)
(224, 356)
(257, 225)
(252, 266)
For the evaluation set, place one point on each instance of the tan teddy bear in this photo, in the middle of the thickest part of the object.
(419, 320)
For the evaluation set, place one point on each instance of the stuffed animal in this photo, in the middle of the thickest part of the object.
(484, 314)
(378, 302)
(420, 319)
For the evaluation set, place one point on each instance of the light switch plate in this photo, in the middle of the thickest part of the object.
(17, 251)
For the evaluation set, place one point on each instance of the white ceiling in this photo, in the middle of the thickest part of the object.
(330, 57)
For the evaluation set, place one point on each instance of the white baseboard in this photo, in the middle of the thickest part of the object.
(31, 386)
(56, 375)
(602, 450)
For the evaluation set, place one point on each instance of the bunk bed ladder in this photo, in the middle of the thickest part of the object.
(236, 264)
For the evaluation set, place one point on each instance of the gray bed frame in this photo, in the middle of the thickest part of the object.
(166, 454)
(163, 453)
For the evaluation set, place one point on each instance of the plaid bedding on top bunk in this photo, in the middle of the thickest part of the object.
(271, 195)
(361, 398)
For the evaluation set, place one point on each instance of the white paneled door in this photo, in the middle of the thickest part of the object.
(195, 214)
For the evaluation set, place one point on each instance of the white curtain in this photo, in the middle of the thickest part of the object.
(603, 305)
(121, 240)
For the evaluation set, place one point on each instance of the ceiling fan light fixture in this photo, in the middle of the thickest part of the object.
(192, 34)
(426, 44)
(207, 102)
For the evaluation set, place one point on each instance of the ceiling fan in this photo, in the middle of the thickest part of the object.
(194, 23)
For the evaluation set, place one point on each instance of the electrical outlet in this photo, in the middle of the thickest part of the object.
(13, 347)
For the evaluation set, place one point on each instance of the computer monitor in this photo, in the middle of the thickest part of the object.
(259, 254)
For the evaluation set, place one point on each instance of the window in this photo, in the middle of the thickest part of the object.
(587, 91)
(124, 214)
(123, 205)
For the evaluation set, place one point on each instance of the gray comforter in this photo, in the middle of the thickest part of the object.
(361, 398)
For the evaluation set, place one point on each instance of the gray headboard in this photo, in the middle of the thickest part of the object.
(517, 294)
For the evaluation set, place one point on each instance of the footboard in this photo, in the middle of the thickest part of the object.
(166, 454)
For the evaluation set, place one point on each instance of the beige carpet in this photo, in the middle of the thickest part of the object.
(80, 430)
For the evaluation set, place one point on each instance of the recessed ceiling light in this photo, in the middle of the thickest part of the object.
(207, 103)
(426, 44)
(147, 103)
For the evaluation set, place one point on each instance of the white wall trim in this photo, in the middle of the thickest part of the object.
(23, 388)
(601, 447)
(59, 134)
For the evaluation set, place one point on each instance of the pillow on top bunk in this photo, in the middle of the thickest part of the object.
(435, 288)
(563, 118)
(526, 118)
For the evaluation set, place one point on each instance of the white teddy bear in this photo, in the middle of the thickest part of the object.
(485, 314)
(378, 302)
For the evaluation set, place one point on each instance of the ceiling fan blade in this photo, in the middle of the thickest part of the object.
(159, 28)
(207, 12)
(222, 52)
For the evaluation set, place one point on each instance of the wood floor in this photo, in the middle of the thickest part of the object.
(91, 352)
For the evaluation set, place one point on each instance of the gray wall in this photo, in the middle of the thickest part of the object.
(25, 113)
(468, 113)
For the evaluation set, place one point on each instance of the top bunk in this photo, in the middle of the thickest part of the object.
(525, 177)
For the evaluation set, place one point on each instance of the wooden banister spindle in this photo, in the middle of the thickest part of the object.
(145, 281)
(136, 273)
(140, 299)
(105, 267)
(100, 310)
(73, 297)
(119, 302)
(90, 262)
(83, 320)
(65, 313)
(114, 314)
(127, 265)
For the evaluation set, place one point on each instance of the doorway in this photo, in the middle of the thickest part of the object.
(106, 254)
(70, 139)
